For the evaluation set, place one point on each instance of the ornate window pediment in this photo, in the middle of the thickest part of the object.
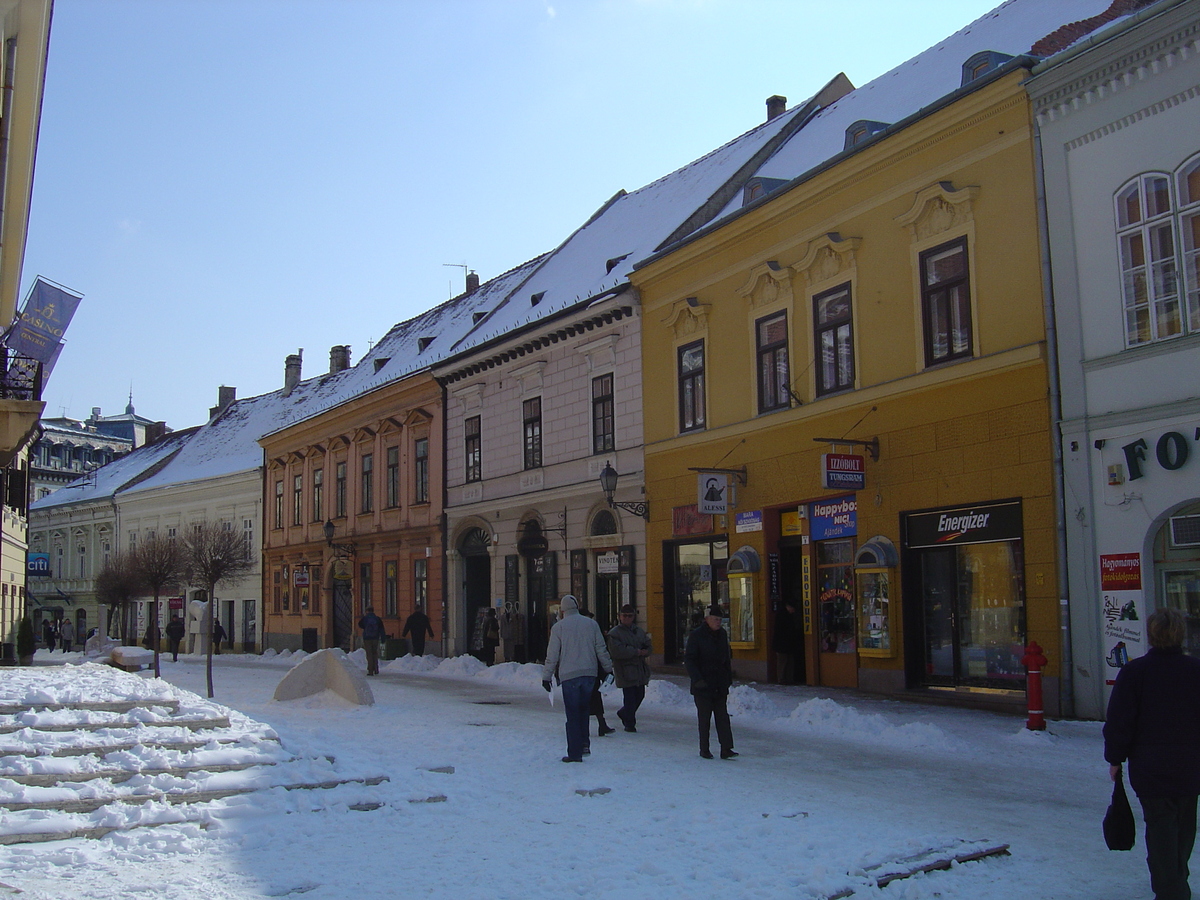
(828, 257)
(939, 208)
(768, 284)
(600, 353)
(529, 376)
(687, 317)
(470, 396)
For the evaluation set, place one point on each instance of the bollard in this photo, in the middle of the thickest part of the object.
(1034, 660)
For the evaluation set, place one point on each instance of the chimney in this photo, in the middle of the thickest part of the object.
(472, 282)
(339, 358)
(225, 396)
(95, 415)
(776, 106)
(291, 371)
(156, 431)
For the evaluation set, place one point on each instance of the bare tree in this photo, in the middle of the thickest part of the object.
(159, 563)
(117, 583)
(214, 553)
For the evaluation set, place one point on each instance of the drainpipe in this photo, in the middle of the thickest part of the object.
(444, 526)
(1066, 683)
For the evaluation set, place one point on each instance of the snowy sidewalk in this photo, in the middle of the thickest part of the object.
(478, 804)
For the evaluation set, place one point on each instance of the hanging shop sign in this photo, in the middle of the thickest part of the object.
(966, 525)
(712, 493)
(301, 575)
(749, 521)
(843, 472)
(833, 518)
(1121, 587)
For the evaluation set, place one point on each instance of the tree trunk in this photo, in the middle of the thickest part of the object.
(208, 630)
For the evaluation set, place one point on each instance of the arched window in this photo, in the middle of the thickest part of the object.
(1187, 182)
(604, 523)
(1149, 279)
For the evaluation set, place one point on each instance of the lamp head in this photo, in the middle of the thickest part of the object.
(608, 481)
(329, 532)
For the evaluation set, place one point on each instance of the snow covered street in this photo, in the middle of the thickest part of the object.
(477, 804)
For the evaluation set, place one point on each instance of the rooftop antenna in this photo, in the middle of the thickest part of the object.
(462, 266)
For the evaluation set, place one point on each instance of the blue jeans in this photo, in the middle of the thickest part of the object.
(577, 693)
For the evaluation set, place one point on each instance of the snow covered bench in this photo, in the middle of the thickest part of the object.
(130, 658)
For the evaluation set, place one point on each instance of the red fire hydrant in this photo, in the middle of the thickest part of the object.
(1034, 659)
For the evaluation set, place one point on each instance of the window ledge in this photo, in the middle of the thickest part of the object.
(1143, 351)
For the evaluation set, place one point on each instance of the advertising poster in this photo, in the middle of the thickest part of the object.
(1124, 613)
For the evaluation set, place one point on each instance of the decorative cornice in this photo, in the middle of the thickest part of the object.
(1178, 44)
(1125, 121)
(500, 358)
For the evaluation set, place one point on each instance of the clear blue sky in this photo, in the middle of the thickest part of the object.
(226, 181)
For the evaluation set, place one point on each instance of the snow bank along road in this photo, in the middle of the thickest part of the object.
(476, 803)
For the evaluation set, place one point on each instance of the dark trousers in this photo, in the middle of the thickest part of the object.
(632, 698)
(174, 650)
(418, 646)
(1170, 834)
(577, 694)
(712, 706)
(371, 646)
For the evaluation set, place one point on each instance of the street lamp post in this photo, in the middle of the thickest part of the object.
(608, 484)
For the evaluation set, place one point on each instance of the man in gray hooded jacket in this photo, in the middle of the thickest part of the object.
(576, 653)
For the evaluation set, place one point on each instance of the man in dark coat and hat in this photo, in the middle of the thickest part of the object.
(710, 666)
(1154, 722)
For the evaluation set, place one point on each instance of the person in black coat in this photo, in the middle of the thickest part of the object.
(710, 666)
(175, 630)
(417, 626)
(1154, 722)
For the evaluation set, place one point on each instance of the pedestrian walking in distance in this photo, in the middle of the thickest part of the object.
(710, 666)
(174, 631)
(1153, 722)
(416, 627)
(372, 631)
(218, 635)
(575, 655)
(629, 646)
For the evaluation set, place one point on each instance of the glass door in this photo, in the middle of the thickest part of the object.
(1181, 590)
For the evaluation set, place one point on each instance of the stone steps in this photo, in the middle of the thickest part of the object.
(61, 780)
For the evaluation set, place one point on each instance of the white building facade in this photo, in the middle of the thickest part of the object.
(1119, 123)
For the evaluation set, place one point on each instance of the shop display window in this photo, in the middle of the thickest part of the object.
(835, 595)
(741, 610)
(875, 612)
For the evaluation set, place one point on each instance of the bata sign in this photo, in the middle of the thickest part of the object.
(843, 471)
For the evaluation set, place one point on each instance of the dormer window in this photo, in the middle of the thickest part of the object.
(478, 317)
(535, 299)
(422, 343)
(861, 130)
(383, 361)
(612, 263)
(982, 63)
(760, 187)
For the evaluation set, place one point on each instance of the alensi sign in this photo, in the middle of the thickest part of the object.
(843, 471)
(980, 524)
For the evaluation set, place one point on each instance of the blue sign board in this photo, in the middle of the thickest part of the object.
(37, 564)
(833, 518)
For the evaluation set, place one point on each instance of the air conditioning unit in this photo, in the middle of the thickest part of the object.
(1185, 531)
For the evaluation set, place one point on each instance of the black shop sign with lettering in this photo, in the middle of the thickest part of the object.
(985, 523)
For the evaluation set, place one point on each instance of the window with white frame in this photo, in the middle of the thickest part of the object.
(773, 380)
(834, 339)
(1146, 248)
(1187, 181)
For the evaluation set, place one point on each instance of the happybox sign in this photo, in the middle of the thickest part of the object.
(843, 471)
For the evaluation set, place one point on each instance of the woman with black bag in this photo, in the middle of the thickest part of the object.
(1154, 723)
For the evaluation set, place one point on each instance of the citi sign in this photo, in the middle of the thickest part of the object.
(843, 471)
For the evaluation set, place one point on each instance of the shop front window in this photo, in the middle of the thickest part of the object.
(835, 595)
(741, 609)
(699, 580)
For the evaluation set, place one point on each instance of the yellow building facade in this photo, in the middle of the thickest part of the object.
(881, 315)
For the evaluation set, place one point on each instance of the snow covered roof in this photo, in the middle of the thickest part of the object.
(107, 480)
(598, 257)
(1010, 29)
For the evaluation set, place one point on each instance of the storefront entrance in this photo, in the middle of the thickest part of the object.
(837, 661)
(697, 578)
(477, 586)
(1177, 570)
(966, 573)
